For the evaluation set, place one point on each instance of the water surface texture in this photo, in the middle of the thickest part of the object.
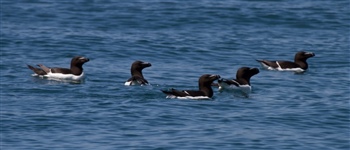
(183, 40)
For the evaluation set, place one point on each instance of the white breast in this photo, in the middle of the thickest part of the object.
(130, 83)
(267, 67)
(291, 69)
(62, 76)
(241, 88)
(189, 97)
(279, 68)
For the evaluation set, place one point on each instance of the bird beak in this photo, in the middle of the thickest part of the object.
(310, 53)
(147, 64)
(85, 59)
(256, 70)
(215, 76)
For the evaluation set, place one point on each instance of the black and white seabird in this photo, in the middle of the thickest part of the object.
(205, 91)
(75, 72)
(136, 73)
(299, 64)
(242, 81)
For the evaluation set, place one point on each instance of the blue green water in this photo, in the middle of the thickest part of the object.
(182, 40)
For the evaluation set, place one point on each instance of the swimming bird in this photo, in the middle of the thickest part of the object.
(136, 73)
(299, 64)
(75, 72)
(205, 91)
(242, 81)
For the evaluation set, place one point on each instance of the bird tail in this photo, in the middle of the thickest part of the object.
(37, 70)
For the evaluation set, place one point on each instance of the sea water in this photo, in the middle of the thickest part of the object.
(182, 40)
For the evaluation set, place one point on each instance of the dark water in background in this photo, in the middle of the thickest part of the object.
(182, 40)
